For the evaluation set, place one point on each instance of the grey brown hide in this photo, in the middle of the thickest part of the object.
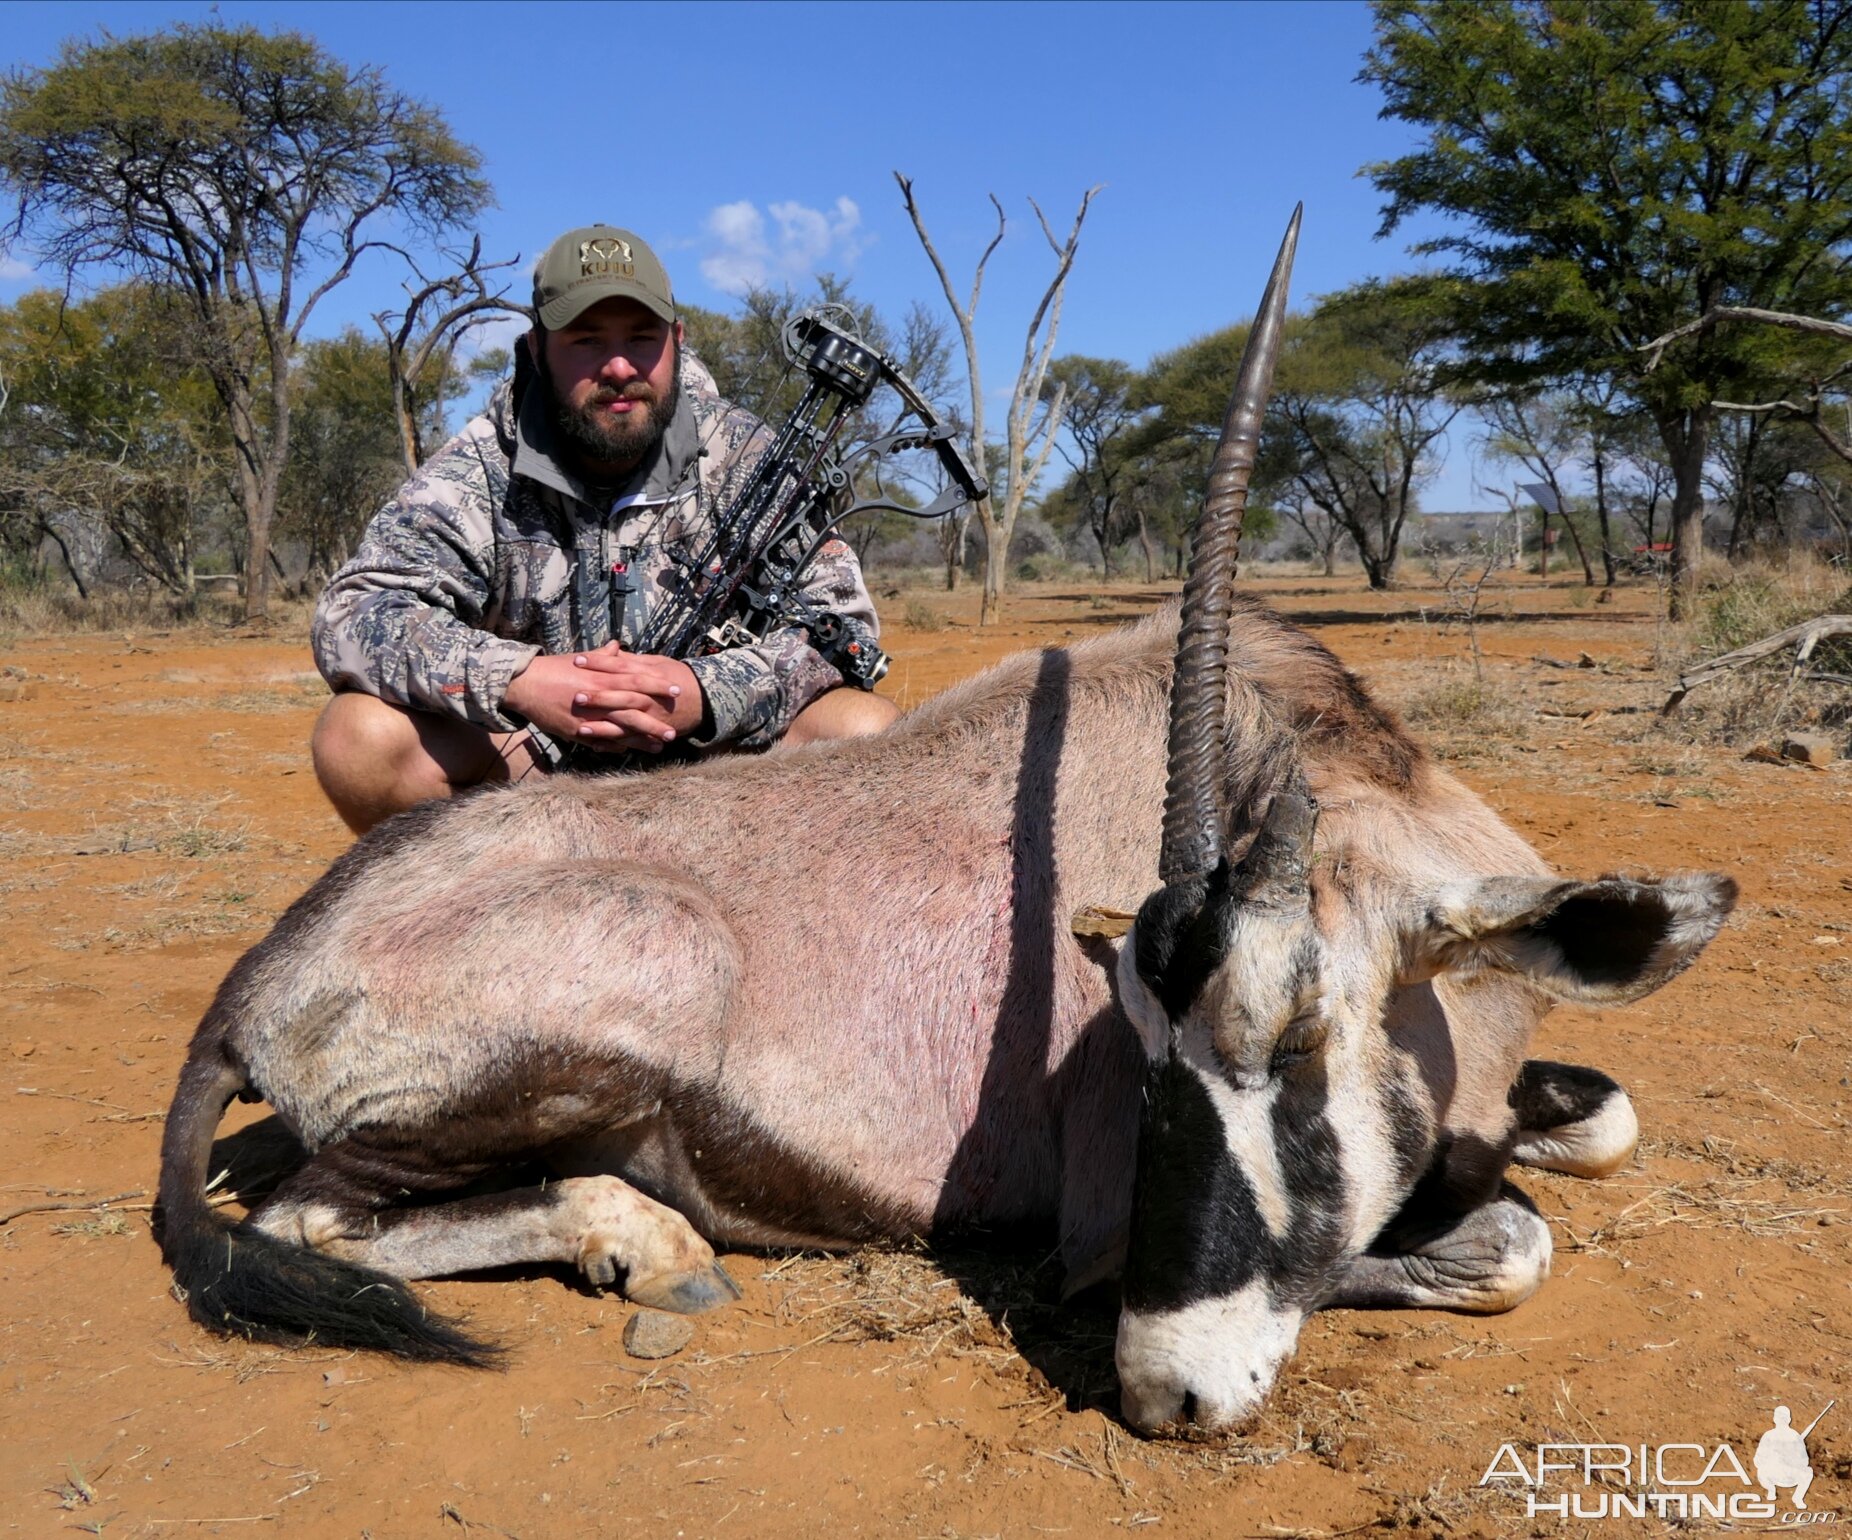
(818, 997)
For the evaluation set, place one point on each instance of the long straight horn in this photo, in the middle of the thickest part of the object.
(1194, 818)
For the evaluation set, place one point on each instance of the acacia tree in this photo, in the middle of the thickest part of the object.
(248, 170)
(346, 452)
(422, 339)
(1031, 423)
(1812, 379)
(1361, 391)
(1186, 392)
(113, 437)
(1102, 410)
(1640, 480)
(1609, 421)
(1613, 170)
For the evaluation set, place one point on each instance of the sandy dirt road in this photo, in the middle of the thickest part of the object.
(157, 811)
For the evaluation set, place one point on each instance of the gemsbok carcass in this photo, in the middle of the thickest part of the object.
(834, 994)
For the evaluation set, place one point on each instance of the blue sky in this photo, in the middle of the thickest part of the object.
(758, 142)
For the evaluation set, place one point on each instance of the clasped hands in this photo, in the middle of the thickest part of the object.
(608, 699)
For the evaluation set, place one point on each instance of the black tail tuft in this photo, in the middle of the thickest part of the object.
(237, 1279)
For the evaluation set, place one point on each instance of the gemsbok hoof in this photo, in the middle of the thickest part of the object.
(685, 1293)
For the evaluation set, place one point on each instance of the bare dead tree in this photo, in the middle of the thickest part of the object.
(1464, 588)
(438, 314)
(1030, 424)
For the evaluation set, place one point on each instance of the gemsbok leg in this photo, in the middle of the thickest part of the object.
(348, 1202)
(1572, 1119)
(1492, 1258)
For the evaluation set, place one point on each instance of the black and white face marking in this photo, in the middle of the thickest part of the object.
(1280, 1134)
(1240, 1209)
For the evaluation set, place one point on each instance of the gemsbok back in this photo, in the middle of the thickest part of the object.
(833, 994)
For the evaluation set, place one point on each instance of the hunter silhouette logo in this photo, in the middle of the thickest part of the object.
(606, 257)
(1671, 1481)
(1781, 1455)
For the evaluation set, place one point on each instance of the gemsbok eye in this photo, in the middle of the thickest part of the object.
(1300, 1040)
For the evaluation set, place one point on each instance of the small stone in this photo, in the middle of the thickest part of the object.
(16, 689)
(657, 1334)
(1809, 748)
(23, 1050)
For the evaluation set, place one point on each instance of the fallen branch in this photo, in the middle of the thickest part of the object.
(7, 1216)
(1803, 638)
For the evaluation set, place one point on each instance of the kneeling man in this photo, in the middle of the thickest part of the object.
(483, 628)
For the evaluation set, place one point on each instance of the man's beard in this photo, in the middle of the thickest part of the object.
(614, 438)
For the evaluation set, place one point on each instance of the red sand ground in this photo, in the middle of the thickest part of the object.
(157, 811)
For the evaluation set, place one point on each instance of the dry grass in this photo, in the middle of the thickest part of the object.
(999, 1310)
(1717, 1151)
(59, 612)
(895, 1295)
(1745, 603)
(189, 828)
(1742, 605)
(921, 616)
(1467, 717)
(95, 1227)
(291, 696)
(199, 922)
(16, 789)
(1726, 1203)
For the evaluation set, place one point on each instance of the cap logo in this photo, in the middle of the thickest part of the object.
(606, 257)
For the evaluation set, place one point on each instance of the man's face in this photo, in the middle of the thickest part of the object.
(613, 373)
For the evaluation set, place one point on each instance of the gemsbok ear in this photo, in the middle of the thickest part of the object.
(1600, 943)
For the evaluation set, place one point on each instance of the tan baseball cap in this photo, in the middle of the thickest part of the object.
(598, 262)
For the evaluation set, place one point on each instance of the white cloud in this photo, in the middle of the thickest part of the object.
(745, 253)
(11, 268)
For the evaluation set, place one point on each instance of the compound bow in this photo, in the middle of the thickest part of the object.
(747, 580)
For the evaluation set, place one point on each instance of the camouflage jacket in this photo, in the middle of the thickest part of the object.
(495, 552)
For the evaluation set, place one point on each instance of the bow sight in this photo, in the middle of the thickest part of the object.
(747, 581)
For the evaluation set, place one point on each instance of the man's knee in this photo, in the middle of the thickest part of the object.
(361, 738)
(374, 759)
(842, 713)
